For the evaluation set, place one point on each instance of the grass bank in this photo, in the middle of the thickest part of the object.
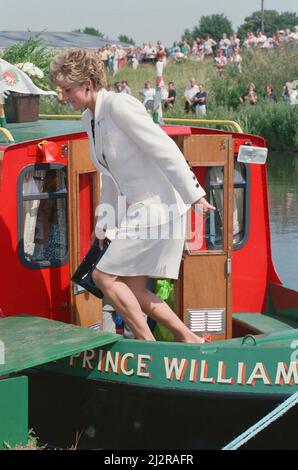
(276, 122)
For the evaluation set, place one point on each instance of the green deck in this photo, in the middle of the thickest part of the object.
(261, 323)
(27, 131)
(13, 412)
(27, 342)
(32, 341)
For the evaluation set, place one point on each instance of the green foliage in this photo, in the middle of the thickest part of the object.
(273, 21)
(126, 39)
(50, 105)
(214, 25)
(34, 50)
(92, 31)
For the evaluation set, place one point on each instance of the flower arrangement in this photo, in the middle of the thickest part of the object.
(30, 69)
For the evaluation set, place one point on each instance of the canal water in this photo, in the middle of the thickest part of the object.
(283, 204)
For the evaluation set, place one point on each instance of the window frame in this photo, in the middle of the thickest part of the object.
(247, 193)
(61, 194)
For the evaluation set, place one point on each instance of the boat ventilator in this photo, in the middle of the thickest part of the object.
(251, 432)
(208, 320)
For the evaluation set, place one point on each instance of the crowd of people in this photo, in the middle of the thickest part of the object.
(227, 49)
(196, 97)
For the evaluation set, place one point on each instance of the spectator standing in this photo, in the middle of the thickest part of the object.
(236, 60)
(220, 62)
(200, 100)
(161, 53)
(115, 55)
(174, 50)
(261, 40)
(250, 41)
(234, 44)
(224, 44)
(293, 37)
(104, 56)
(185, 48)
(208, 45)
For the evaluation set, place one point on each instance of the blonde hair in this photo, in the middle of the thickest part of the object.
(76, 66)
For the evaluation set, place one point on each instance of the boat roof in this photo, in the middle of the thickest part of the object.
(42, 129)
(54, 128)
(28, 131)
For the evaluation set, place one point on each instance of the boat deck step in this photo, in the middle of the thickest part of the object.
(263, 323)
(27, 341)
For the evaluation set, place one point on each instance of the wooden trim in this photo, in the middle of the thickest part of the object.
(230, 212)
(203, 279)
(85, 308)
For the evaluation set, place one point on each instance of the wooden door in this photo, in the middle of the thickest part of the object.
(84, 186)
(204, 285)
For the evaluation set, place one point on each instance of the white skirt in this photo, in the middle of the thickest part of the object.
(155, 251)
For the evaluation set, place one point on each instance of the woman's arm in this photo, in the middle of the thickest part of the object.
(131, 117)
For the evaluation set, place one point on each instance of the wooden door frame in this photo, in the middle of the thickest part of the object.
(86, 309)
(224, 144)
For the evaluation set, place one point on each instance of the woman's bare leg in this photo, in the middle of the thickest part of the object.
(125, 302)
(160, 310)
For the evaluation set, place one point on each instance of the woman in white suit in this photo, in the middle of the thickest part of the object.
(147, 188)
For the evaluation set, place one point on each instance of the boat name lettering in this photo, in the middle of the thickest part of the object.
(129, 364)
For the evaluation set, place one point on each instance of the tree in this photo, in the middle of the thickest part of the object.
(214, 25)
(273, 21)
(126, 39)
(288, 20)
(92, 31)
(188, 36)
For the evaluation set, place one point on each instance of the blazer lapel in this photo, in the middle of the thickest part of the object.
(95, 147)
(98, 121)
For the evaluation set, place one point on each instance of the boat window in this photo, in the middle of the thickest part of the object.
(205, 232)
(214, 224)
(43, 218)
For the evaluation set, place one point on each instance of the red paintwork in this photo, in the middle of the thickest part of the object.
(42, 292)
(45, 292)
(252, 265)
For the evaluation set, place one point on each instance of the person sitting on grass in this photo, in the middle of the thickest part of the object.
(250, 97)
(170, 100)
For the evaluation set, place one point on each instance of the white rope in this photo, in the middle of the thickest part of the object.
(251, 432)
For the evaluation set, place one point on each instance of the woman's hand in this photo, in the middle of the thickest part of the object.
(100, 234)
(202, 206)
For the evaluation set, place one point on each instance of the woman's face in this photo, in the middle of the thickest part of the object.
(75, 95)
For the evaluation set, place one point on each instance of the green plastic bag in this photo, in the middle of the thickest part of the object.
(164, 289)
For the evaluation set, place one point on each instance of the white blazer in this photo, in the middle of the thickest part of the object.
(141, 163)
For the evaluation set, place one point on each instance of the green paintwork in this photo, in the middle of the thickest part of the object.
(28, 131)
(3, 122)
(31, 341)
(218, 365)
(13, 412)
(261, 323)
